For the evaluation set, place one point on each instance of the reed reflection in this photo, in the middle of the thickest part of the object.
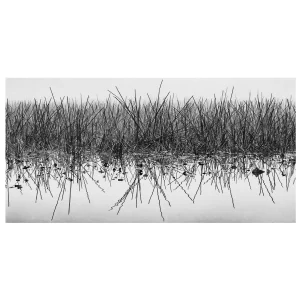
(43, 171)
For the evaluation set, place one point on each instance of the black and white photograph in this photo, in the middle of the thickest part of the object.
(150, 150)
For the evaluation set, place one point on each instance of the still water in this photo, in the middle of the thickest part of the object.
(151, 188)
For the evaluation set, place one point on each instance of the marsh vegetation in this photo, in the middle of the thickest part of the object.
(173, 145)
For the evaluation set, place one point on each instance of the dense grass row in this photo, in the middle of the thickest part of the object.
(119, 125)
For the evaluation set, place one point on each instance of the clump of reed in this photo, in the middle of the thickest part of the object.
(119, 125)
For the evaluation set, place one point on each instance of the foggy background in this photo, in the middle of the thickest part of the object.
(30, 88)
(155, 74)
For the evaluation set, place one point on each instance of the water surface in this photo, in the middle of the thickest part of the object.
(156, 187)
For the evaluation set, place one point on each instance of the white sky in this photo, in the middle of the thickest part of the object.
(27, 89)
(159, 74)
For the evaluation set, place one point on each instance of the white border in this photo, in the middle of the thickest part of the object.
(4, 154)
(150, 77)
(297, 143)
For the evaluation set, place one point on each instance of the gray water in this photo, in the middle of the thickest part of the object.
(155, 188)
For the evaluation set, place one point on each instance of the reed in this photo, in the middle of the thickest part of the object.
(119, 125)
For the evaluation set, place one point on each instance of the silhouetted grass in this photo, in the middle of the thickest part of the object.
(118, 125)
